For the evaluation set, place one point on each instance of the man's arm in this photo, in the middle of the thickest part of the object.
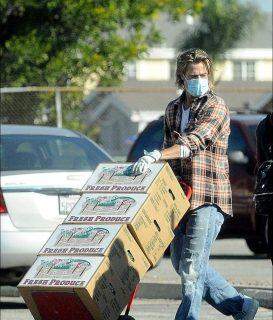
(170, 150)
(206, 131)
(213, 120)
(167, 140)
(207, 128)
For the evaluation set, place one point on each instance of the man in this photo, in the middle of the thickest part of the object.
(264, 137)
(195, 143)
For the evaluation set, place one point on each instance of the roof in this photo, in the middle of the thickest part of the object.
(149, 100)
(240, 95)
(37, 130)
(265, 102)
(259, 37)
(97, 103)
(248, 118)
(237, 95)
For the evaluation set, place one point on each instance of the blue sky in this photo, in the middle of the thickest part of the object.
(265, 5)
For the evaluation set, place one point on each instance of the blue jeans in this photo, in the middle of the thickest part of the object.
(190, 252)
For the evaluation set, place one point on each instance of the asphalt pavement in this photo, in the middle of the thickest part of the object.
(232, 259)
(159, 293)
(142, 309)
(250, 274)
(166, 309)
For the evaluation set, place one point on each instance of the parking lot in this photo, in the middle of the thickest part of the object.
(232, 258)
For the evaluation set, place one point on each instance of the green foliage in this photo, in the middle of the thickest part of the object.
(16, 108)
(222, 24)
(28, 108)
(61, 42)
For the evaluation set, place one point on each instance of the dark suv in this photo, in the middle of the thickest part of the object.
(242, 160)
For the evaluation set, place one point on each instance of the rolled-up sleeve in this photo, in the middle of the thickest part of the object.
(207, 127)
(167, 141)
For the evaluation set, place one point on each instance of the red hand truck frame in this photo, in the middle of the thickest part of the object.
(188, 192)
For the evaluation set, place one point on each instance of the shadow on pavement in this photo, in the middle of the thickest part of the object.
(12, 305)
(237, 256)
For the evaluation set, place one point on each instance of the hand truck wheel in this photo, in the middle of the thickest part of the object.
(126, 315)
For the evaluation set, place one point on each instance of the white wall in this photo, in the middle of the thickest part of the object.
(153, 70)
(263, 70)
(157, 64)
(223, 71)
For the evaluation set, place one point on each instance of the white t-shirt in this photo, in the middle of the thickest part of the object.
(184, 118)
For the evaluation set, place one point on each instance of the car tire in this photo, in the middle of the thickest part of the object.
(266, 232)
(268, 236)
(12, 276)
(257, 246)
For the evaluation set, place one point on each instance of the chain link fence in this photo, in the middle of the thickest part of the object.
(38, 106)
(110, 116)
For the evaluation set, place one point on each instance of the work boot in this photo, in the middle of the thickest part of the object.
(249, 309)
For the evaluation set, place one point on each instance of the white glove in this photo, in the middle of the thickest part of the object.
(144, 162)
(185, 152)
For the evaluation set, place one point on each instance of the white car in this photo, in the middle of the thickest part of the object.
(42, 172)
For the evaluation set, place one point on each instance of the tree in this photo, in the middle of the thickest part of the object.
(64, 42)
(222, 23)
(60, 42)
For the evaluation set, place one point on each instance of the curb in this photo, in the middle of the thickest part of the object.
(172, 291)
(264, 297)
(9, 291)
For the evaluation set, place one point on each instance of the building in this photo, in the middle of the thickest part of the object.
(244, 80)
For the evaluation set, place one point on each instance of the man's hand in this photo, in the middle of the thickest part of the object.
(144, 162)
(185, 152)
(176, 151)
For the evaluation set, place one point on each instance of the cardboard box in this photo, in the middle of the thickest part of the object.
(71, 239)
(84, 287)
(158, 181)
(148, 224)
(102, 208)
(100, 262)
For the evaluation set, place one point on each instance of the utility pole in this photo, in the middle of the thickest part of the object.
(58, 102)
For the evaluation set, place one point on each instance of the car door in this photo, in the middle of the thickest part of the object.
(42, 175)
(242, 180)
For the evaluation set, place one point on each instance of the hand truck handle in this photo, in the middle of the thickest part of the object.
(132, 296)
(186, 188)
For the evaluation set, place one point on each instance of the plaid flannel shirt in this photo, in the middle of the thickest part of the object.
(207, 169)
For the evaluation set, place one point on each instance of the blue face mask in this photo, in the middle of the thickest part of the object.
(197, 87)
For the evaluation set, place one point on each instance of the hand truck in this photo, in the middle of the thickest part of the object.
(188, 192)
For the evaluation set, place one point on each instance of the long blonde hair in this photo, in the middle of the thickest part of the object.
(189, 56)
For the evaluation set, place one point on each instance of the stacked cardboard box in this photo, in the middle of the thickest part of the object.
(98, 265)
(139, 212)
(121, 225)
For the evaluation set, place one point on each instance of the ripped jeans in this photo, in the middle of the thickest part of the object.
(190, 252)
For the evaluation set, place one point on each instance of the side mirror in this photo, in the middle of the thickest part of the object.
(238, 157)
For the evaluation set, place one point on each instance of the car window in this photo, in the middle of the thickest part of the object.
(252, 133)
(42, 152)
(236, 140)
(150, 139)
